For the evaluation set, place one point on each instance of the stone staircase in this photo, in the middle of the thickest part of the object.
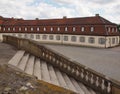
(44, 71)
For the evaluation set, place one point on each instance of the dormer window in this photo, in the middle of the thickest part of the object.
(25, 28)
(8, 29)
(0, 28)
(58, 28)
(19, 29)
(44, 29)
(51, 29)
(73, 28)
(3, 29)
(92, 29)
(13, 29)
(31, 28)
(109, 29)
(66, 29)
(113, 29)
(38, 29)
(82, 29)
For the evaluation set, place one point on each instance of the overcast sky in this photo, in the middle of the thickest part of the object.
(31, 9)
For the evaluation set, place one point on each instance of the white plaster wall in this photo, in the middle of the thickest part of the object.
(61, 41)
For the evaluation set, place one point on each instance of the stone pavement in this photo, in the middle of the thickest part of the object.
(6, 52)
(105, 61)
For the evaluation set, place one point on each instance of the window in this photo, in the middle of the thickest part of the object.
(91, 40)
(82, 39)
(38, 29)
(44, 29)
(109, 29)
(44, 37)
(73, 28)
(25, 28)
(0, 28)
(19, 35)
(116, 29)
(31, 28)
(112, 29)
(3, 29)
(73, 38)
(65, 38)
(92, 29)
(8, 29)
(37, 36)
(113, 40)
(101, 40)
(19, 29)
(32, 36)
(66, 29)
(116, 40)
(58, 28)
(82, 29)
(13, 29)
(25, 36)
(58, 37)
(51, 29)
(51, 37)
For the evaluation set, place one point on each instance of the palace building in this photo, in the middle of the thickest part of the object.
(93, 31)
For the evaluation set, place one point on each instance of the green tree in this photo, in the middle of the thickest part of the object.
(118, 26)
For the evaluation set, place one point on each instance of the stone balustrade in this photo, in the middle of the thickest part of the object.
(87, 76)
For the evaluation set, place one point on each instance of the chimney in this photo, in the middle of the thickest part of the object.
(97, 15)
(64, 17)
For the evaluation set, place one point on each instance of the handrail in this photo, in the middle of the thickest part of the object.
(87, 76)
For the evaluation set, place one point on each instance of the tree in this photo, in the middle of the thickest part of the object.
(118, 26)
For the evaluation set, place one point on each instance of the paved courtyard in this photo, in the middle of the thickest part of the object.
(6, 52)
(105, 61)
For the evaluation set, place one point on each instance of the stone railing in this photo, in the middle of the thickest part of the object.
(87, 76)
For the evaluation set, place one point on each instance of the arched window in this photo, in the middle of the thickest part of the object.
(19, 28)
(51, 28)
(44, 29)
(8, 29)
(13, 28)
(31, 28)
(25, 28)
(38, 29)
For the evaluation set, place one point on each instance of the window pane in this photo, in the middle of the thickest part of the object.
(101, 40)
(58, 37)
(51, 37)
(37, 36)
(65, 38)
(113, 40)
(44, 37)
(73, 38)
(91, 40)
(82, 39)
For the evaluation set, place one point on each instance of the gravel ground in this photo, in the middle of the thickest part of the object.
(105, 61)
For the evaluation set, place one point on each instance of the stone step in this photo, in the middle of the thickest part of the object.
(75, 83)
(37, 68)
(60, 78)
(16, 58)
(22, 64)
(45, 72)
(53, 76)
(69, 83)
(30, 65)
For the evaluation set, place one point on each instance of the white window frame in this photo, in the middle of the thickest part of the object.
(74, 29)
(31, 28)
(51, 29)
(66, 29)
(58, 29)
(44, 28)
(19, 28)
(25, 28)
(82, 29)
(8, 28)
(13, 28)
(92, 29)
